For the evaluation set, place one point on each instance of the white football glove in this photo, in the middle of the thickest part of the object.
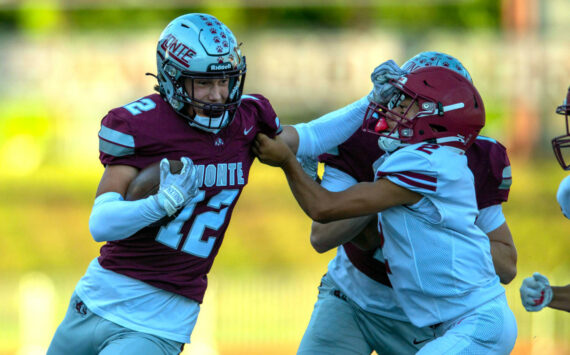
(383, 91)
(309, 165)
(536, 292)
(176, 190)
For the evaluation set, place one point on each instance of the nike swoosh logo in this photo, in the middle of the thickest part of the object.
(416, 342)
(246, 131)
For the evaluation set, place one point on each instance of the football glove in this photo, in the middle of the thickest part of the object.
(383, 91)
(535, 292)
(176, 190)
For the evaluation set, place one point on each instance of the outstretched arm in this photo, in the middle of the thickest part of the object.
(325, 206)
(328, 131)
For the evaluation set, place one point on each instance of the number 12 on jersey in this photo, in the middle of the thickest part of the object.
(171, 236)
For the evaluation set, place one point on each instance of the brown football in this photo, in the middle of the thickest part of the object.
(147, 181)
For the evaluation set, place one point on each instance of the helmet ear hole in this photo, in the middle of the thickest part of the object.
(437, 128)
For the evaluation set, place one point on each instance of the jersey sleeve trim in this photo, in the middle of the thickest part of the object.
(507, 179)
(412, 179)
(115, 143)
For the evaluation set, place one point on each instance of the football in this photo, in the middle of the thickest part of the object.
(147, 181)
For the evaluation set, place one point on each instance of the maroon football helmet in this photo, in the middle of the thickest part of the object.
(561, 144)
(451, 111)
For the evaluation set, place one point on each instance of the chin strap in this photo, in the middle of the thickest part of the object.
(391, 143)
(202, 122)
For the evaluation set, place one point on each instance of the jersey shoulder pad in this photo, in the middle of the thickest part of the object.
(259, 105)
(490, 156)
(409, 169)
(119, 127)
(491, 168)
(116, 137)
(144, 107)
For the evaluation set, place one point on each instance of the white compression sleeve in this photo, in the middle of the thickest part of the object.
(328, 131)
(113, 218)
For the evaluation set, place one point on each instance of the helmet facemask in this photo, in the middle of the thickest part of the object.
(408, 128)
(378, 119)
(216, 115)
(440, 106)
(561, 144)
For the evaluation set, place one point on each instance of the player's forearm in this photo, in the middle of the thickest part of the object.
(503, 248)
(560, 298)
(504, 260)
(330, 235)
(112, 218)
(312, 198)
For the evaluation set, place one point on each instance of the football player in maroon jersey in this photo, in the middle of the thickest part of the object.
(142, 295)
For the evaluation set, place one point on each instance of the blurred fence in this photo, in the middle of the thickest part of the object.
(264, 282)
(56, 90)
(261, 314)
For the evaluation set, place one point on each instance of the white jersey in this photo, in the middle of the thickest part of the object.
(563, 196)
(368, 294)
(439, 261)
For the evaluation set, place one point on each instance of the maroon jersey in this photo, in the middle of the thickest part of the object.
(487, 160)
(355, 156)
(178, 255)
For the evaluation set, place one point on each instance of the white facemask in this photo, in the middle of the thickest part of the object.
(221, 121)
(389, 144)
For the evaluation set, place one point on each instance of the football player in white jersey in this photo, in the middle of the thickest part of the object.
(356, 310)
(536, 292)
(438, 261)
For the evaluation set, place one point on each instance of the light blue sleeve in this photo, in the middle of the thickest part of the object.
(328, 131)
(563, 196)
(336, 180)
(113, 218)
